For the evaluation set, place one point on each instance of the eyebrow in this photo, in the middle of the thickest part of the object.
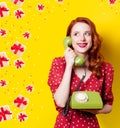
(84, 31)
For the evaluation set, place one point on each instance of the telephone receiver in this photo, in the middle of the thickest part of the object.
(79, 60)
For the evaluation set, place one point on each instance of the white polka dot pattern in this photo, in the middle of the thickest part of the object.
(103, 85)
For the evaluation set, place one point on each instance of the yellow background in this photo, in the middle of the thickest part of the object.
(47, 29)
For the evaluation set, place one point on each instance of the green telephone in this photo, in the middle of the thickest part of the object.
(86, 100)
(79, 60)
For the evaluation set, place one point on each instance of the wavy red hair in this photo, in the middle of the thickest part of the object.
(95, 58)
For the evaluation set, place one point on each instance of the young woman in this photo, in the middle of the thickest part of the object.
(64, 76)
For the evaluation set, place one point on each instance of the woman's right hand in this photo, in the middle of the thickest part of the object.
(69, 56)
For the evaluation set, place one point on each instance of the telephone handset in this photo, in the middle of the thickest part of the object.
(79, 60)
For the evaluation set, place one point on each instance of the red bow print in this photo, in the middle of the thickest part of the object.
(3, 9)
(17, 47)
(20, 100)
(15, 1)
(3, 113)
(2, 58)
(22, 117)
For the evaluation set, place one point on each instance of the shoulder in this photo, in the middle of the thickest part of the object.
(58, 61)
(107, 67)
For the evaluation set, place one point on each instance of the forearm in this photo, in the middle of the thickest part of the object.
(106, 109)
(62, 93)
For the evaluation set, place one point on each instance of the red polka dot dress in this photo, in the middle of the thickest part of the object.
(103, 85)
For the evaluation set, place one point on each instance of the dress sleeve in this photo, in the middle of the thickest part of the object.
(55, 74)
(107, 94)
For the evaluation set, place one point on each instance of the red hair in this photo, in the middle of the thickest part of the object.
(95, 58)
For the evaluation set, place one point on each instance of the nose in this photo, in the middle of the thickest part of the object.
(82, 37)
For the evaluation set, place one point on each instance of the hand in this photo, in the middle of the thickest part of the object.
(69, 56)
(106, 109)
(93, 111)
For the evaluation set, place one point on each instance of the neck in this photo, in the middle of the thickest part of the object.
(86, 60)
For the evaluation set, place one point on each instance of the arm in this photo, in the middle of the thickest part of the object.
(106, 109)
(107, 95)
(62, 93)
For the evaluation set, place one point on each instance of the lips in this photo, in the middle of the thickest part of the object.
(82, 45)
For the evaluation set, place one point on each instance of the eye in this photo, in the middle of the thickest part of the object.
(76, 34)
(87, 33)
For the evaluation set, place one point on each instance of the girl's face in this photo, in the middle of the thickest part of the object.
(81, 38)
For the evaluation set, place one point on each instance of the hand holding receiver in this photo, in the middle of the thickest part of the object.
(79, 60)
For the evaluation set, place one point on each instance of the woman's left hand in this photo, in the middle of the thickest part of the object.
(93, 111)
(106, 109)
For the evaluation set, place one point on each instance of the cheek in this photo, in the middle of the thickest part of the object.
(73, 44)
(89, 40)
(74, 40)
(90, 44)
